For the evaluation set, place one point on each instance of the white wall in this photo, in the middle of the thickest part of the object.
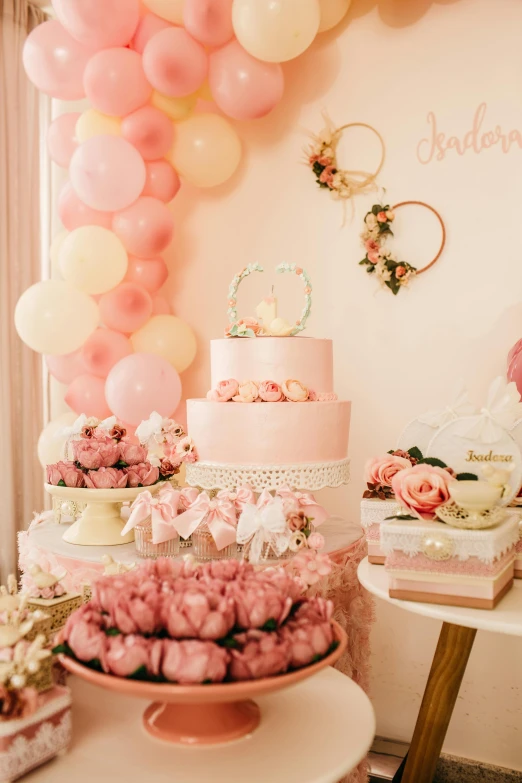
(394, 356)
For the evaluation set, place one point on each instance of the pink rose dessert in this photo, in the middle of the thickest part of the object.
(132, 453)
(422, 489)
(269, 391)
(105, 478)
(259, 655)
(65, 472)
(96, 452)
(224, 391)
(295, 391)
(247, 392)
(142, 475)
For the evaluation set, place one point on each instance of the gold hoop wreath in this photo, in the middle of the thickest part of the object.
(322, 158)
(380, 261)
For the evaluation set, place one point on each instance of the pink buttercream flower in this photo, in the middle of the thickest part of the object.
(316, 541)
(247, 392)
(224, 391)
(96, 452)
(132, 453)
(126, 654)
(67, 472)
(258, 603)
(382, 217)
(192, 661)
(199, 614)
(84, 635)
(295, 391)
(269, 391)
(314, 610)
(422, 489)
(259, 655)
(106, 478)
(143, 475)
(308, 642)
(381, 470)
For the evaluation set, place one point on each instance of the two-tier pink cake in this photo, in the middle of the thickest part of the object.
(249, 430)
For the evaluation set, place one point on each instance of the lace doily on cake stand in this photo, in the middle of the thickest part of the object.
(304, 476)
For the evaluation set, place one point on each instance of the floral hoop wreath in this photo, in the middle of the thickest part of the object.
(322, 157)
(250, 327)
(383, 263)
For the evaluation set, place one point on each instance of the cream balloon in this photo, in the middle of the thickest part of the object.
(54, 317)
(276, 30)
(206, 150)
(332, 12)
(94, 123)
(51, 443)
(168, 337)
(175, 108)
(54, 252)
(93, 259)
(171, 10)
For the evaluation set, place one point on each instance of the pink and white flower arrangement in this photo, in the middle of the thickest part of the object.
(422, 489)
(180, 622)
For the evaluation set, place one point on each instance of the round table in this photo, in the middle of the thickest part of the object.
(456, 639)
(314, 732)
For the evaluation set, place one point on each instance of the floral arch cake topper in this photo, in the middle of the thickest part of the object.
(267, 323)
(379, 260)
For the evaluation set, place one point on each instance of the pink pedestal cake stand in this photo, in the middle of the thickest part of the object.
(203, 714)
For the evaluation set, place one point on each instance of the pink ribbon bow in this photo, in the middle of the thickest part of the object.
(163, 511)
(219, 514)
(187, 497)
(243, 496)
(305, 502)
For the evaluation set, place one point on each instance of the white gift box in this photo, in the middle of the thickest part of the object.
(26, 743)
(432, 562)
(373, 514)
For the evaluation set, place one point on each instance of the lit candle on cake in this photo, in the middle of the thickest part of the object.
(266, 310)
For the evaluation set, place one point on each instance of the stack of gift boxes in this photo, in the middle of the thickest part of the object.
(440, 511)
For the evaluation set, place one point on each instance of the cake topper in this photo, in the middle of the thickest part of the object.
(267, 323)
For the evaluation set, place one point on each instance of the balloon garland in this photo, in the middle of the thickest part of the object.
(105, 330)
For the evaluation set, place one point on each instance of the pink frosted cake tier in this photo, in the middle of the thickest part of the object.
(269, 433)
(278, 359)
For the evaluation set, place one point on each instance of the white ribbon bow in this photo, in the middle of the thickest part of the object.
(461, 406)
(151, 429)
(163, 511)
(503, 408)
(263, 524)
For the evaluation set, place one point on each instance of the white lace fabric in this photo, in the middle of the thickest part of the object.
(304, 476)
(375, 511)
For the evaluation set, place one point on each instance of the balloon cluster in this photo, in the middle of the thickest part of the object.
(145, 68)
(514, 365)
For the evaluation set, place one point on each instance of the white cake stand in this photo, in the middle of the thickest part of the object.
(100, 524)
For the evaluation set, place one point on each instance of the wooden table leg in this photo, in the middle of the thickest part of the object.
(446, 673)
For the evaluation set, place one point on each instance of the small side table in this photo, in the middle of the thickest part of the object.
(316, 732)
(449, 664)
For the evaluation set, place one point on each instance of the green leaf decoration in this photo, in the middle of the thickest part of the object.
(270, 625)
(466, 477)
(434, 462)
(376, 209)
(61, 483)
(403, 518)
(112, 632)
(63, 649)
(416, 453)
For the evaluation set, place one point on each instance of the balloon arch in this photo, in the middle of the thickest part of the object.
(106, 331)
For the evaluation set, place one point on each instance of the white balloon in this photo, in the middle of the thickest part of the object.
(93, 259)
(332, 12)
(54, 252)
(171, 10)
(276, 30)
(54, 317)
(51, 442)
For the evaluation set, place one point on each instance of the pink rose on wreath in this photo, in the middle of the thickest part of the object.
(381, 470)
(327, 175)
(247, 392)
(143, 474)
(269, 391)
(67, 472)
(243, 324)
(382, 217)
(132, 453)
(422, 489)
(224, 391)
(400, 271)
(106, 478)
(96, 452)
(295, 391)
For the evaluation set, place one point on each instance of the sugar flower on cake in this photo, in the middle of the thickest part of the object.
(247, 392)
(269, 391)
(224, 391)
(422, 489)
(295, 391)
(245, 327)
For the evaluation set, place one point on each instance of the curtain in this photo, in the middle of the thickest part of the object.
(21, 404)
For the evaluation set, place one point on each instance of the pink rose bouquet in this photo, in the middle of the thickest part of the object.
(422, 489)
(65, 474)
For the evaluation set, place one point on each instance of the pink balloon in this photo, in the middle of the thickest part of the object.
(99, 23)
(55, 62)
(209, 21)
(86, 394)
(145, 228)
(74, 213)
(150, 131)
(115, 82)
(149, 25)
(67, 367)
(514, 351)
(514, 372)
(103, 349)
(150, 273)
(174, 63)
(160, 306)
(61, 138)
(244, 88)
(161, 181)
(126, 308)
(140, 384)
(107, 173)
